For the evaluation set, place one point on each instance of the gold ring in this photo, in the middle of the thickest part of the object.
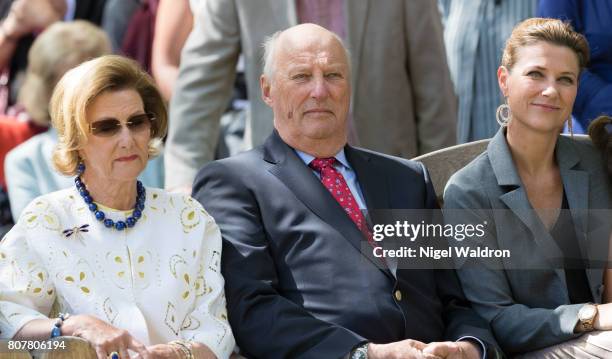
(113, 355)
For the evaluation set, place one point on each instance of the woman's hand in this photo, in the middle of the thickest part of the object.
(104, 337)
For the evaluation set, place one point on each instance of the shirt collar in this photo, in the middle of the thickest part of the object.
(340, 157)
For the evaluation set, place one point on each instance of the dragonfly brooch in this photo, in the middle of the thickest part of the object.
(76, 231)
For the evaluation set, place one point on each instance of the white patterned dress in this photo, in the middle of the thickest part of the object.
(159, 280)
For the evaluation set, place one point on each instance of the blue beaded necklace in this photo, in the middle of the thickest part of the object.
(100, 215)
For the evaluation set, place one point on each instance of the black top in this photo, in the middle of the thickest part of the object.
(575, 276)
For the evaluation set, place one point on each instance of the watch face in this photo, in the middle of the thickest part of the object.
(358, 354)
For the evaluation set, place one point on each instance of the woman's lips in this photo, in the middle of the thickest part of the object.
(127, 158)
(546, 107)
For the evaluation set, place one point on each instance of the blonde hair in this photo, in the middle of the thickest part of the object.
(553, 31)
(80, 86)
(61, 46)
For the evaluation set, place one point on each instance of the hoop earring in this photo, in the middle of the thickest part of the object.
(503, 115)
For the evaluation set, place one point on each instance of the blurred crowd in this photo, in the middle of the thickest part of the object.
(423, 74)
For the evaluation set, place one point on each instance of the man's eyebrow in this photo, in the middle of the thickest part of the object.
(336, 66)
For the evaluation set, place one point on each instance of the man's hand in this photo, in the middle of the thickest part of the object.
(406, 349)
(453, 350)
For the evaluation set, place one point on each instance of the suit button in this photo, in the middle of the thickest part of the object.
(398, 295)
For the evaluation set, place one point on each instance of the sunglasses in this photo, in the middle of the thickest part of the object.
(111, 126)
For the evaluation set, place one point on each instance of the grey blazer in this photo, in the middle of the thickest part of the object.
(530, 308)
(403, 101)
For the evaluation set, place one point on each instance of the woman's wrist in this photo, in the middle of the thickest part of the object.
(183, 347)
(176, 351)
(56, 329)
(70, 325)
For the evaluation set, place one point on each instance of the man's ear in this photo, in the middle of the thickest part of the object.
(502, 79)
(266, 88)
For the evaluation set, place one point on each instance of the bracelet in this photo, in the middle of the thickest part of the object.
(185, 347)
(57, 326)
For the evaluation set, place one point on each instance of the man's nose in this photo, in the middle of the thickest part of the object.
(319, 88)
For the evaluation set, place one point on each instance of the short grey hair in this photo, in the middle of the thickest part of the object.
(269, 46)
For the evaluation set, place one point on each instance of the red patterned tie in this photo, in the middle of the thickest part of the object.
(336, 185)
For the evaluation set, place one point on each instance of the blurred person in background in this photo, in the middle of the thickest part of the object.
(22, 21)
(28, 167)
(172, 26)
(600, 132)
(116, 20)
(474, 34)
(57, 49)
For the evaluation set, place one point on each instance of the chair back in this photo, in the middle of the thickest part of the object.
(443, 163)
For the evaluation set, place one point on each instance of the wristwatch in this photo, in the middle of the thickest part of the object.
(360, 352)
(587, 315)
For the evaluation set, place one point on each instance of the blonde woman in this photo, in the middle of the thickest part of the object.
(136, 268)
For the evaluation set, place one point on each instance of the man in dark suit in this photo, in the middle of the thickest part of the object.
(297, 283)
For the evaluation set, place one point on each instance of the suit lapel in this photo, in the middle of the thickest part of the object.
(294, 174)
(375, 191)
(576, 187)
(517, 201)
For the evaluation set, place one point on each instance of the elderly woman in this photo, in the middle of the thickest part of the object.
(523, 188)
(136, 268)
